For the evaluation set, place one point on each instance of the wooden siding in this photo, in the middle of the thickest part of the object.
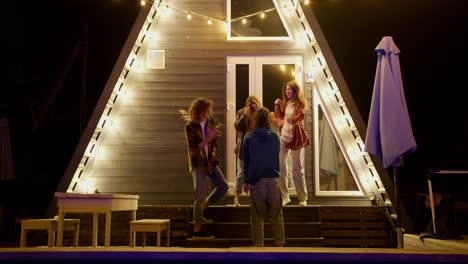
(145, 152)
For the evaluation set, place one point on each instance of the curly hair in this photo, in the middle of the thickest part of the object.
(197, 108)
(298, 95)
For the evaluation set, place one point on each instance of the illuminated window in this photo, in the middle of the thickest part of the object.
(256, 20)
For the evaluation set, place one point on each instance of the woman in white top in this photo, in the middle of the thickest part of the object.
(291, 110)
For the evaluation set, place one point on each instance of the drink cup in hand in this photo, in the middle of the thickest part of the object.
(212, 133)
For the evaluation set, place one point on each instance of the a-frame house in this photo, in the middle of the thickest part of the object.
(181, 49)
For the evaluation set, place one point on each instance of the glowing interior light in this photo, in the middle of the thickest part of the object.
(113, 126)
(209, 22)
(189, 16)
(166, 11)
(143, 2)
(244, 21)
(88, 185)
(262, 15)
(282, 67)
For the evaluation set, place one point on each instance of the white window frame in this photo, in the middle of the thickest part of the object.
(360, 193)
(280, 13)
(255, 88)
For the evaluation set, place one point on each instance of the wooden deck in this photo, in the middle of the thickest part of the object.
(413, 242)
(310, 226)
(245, 255)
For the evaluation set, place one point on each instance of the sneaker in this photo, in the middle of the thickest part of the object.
(236, 201)
(202, 235)
(207, 221)
(285, 202)
(302, 203)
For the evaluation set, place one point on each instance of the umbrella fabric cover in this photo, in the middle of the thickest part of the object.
(389, 133)
(6, 161)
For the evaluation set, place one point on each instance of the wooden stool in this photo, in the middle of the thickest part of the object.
(150, 225)
(50, 225)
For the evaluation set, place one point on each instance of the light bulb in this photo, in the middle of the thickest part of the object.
(189, 16)
(244, 21)
(262, 15)
(306, 2)
(143, 2)
(209, 22)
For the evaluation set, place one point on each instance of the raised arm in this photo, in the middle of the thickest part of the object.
(278, 112)
(240, 124)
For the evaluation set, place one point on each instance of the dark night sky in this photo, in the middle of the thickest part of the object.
(39, 36)
(431, 36)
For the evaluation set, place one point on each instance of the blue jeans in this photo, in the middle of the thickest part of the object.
(239, 176)
(266, 203)
(201, 184)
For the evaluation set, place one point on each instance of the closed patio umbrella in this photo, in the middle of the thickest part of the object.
(389, 134)
(6, 160)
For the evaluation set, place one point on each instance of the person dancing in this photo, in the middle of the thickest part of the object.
(291, 110)
(244, 123)
(201, 133)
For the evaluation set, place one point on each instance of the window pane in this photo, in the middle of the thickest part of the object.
(334, 171)
(274, 76)
(269, 25)
(242, 85)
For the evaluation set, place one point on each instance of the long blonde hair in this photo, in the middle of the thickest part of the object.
(298, 95)
(197, 109)
(253, 99)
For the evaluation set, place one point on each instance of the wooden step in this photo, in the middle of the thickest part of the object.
(243, 230)
(246, 242)
(344, 226)
(291, 213)
(334, 226)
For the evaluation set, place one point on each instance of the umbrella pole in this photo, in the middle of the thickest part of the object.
(399, 229)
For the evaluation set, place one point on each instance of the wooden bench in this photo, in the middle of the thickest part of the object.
(50, 225)
(150, 225)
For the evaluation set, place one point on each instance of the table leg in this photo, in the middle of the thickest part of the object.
(108, 229)
(50, 236)
(158, 238)
(431, 200)
(133, 234)
(76, 235)
(95, 226)
(23, 237)
(168, 234)
(61, 216)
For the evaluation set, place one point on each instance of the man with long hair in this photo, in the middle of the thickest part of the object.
(201, 133)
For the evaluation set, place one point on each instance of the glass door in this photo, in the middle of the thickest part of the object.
(260, 76)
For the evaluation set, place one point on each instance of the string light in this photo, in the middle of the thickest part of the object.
(306, 2)
(190, 14)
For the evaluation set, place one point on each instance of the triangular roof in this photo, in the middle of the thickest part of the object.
(331, 88)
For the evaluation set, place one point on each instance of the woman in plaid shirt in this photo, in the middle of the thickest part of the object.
(201, 133)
